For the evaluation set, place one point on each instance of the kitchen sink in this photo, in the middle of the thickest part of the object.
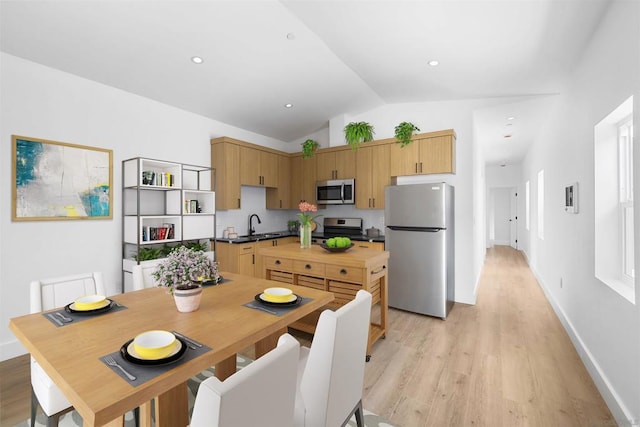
(259, 236)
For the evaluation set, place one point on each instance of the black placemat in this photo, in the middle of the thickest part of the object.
(275, 310)
(144, 373)
(55, 318)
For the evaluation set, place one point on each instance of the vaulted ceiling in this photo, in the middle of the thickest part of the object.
(327, 58)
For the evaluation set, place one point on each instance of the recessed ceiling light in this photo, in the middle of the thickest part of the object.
(509, 124)
(508, 136)
(433, 63)
(511, 118)
(291, 36)
(197, 60)
(288, 105)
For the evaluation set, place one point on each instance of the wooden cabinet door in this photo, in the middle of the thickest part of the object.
(308, 180)
(437, 155)
(296, 181)
(249, 166)
(380, 174)
(346, 164)
(363, 177)
(225, 159)
(404, 160)
(269, 169)
(325, 166)
(280, 196)
(372, 169)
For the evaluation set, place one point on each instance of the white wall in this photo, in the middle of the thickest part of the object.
(45, 103)
(604, 326)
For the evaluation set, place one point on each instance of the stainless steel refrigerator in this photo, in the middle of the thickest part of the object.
(419, 236)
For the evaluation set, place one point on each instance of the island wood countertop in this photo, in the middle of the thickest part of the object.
(354, 257)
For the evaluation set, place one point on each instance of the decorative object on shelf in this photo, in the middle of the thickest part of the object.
(308, 148)
(293, 225)
(358, 132)
(404, 131)
(306, 221)
(59, 181)
(182, 272)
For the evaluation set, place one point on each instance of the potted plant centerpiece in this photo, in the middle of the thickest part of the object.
(182, 273)
(308, 148)
(358, 132)
(306, 223)
(404, 131)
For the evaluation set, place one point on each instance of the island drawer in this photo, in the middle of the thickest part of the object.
(348, 274)
(309, 267)
(276, 263)
(311, 282)
(343, 292)
(282, 276)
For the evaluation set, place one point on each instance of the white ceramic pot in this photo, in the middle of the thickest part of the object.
(187, 300)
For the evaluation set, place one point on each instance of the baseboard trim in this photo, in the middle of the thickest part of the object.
(11, 349)
(612, 399)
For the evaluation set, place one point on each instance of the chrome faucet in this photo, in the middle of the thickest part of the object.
(251, 229)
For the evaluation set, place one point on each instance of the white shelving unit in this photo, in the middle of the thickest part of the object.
(164, 203)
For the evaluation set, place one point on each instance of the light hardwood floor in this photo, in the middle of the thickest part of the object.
(505, 361)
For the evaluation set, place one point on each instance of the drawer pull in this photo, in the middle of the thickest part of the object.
(307, 266)
(379, 271)
(277, 262)
(247, 249)
(343, 271)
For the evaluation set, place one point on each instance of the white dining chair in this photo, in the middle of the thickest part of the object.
(47, 294)
(331, 372)
(262, 394)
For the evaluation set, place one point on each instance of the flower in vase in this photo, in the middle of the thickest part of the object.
(184, 266)
(305, 217)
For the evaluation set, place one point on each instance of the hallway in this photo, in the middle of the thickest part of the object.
(506, 361)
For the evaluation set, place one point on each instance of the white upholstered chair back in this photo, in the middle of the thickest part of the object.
(332, 370)
(45, 295)
(262, 394)
(51, 293)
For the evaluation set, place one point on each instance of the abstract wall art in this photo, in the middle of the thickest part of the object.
(60, 181)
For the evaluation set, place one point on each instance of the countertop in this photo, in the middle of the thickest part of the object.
(356, 257)
(280, 234)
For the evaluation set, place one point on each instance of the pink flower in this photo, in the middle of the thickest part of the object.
(305, 218)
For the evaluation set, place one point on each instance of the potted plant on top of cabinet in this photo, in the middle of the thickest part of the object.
(308, 148)
(404, 131)
(358, 132)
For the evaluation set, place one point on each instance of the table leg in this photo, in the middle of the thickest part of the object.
(226, 368)
(145, 414)
(267, 344)
(172, 407)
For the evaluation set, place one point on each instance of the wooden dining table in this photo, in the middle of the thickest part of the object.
(71, 354)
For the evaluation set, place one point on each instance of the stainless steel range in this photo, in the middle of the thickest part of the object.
(341, 227)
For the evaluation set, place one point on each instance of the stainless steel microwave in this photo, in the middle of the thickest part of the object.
(336, 192)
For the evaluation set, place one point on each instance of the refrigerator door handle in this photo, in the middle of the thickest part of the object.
(422, 229)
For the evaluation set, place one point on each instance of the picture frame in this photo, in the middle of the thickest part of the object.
(60, 181)
(571, 198)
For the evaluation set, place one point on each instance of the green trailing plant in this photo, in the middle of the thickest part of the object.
(356, 133)
(308, 148)
(197, 246)
(147, 254)
(404, 131)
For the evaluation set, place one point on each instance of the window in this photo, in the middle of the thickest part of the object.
(541, 204)
(625, 162)
(527, 207)
(613, 197)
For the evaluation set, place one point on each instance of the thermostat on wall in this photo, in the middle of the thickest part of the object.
(571, 198)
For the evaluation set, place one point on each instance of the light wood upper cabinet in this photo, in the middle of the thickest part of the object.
(225, 159)
(258, 167)
(303, 180)
(373, 175)
(429, 153)
(337, 164)
(280, 196)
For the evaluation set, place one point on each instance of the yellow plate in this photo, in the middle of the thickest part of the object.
(103, 304)
(289, 298)
(177, 345)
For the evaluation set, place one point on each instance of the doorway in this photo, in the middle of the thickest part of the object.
(503, 217)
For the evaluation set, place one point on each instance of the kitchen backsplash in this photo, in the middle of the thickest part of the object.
(253, 201)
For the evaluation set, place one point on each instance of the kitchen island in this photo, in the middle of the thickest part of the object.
(343, 273)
